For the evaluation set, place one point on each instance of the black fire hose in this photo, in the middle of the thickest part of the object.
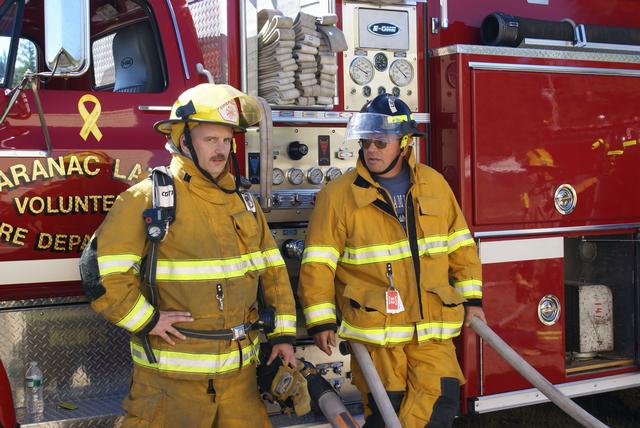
(501, 29)
(328, 401)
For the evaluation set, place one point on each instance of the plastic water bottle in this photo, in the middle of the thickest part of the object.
(33, 391)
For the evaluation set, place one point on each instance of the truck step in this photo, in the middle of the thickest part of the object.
(102, 412)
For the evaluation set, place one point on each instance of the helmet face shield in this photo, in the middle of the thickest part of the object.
(377, 127)
(374, 126)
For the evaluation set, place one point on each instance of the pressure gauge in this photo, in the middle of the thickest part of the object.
(277, 176)
(380, 61)
(295, 176)
(315, 175)
(333, 173)
(401, 72)
(361, 70)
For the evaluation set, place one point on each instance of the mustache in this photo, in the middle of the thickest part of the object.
(218, 158)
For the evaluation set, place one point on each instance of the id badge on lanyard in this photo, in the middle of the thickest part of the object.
(392, 295)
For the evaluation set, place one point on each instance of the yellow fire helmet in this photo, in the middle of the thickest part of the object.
(210, 103)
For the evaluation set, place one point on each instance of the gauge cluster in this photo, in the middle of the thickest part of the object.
(378, 63)
(305, 159)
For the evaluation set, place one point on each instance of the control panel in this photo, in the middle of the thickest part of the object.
(382, 55)
(304, 160)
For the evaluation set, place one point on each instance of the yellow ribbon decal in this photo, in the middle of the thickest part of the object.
(90, 119)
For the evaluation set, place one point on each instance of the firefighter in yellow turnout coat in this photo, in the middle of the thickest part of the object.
(207, 277)
(384, 263)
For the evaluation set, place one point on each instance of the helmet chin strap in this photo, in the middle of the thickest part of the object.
(194, 157)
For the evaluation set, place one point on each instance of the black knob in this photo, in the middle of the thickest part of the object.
(296, 150)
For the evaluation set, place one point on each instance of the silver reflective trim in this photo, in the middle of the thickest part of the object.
(534, 53)
(426, 246)
(320, 116)
(532, 68)
(320, 314)
(458, 239)
(39, 271)
(524, 397)
(273, 257)
(244, 86)
(186, 364)
(381, 336)
(285, 323)
(586, 46)
(170, 270)
(154, 108)
(197, 363)
(23, 153)
(312, 253)
(115, 265)
(178, 38)
(403, 250)
(468, 288)
(521, 250)
(444, 332)
(555, 230)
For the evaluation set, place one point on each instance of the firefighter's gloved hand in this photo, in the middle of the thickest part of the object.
(289, 383)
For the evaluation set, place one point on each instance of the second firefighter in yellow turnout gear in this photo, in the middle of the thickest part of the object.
(383, 242)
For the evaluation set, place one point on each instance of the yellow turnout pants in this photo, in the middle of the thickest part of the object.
(423, 382)
(158, 401)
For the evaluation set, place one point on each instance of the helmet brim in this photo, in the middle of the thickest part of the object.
(165, 126)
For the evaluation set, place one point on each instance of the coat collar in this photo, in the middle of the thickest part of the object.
(365, 188)
(185, 170)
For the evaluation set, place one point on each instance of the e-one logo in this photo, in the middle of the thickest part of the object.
(383, 29)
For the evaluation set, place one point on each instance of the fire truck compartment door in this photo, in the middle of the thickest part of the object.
(534, 131)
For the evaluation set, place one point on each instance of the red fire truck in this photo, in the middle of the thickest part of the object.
(531, 116)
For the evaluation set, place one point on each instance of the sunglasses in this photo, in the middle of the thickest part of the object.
(366, 144)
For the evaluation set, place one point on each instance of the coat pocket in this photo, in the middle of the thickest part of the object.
(445, 309)
(364, 307)
(246, 227)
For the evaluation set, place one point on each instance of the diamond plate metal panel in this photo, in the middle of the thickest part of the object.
(104, 69)
(210, 19)
(29, 303)
(80, 354)
(104, 412)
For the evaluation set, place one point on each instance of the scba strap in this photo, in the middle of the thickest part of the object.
(157, 220)
(163, 207)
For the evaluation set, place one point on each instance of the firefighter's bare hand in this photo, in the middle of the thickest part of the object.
(284, 351)
(324, 339)
(164, 327)
(473, 311)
